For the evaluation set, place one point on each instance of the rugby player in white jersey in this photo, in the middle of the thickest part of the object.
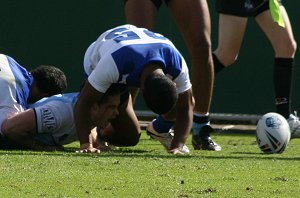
(20, 87)
(137, 58)
(49, 123)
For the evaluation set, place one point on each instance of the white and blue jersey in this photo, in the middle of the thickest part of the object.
(119, 55)
(15, 84)
(55, 119)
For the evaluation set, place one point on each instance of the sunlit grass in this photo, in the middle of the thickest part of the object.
(147, 170)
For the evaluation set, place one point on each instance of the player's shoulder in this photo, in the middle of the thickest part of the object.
(8, 60)
(65, 98)
(59, 98)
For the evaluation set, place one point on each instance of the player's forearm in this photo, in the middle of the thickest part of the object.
(19, 130)
(28, 142)
(24, 139)
(184, 119)
(82, 123)
(83, 136)
(182, 128)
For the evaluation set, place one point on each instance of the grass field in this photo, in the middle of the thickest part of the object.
(239, 170)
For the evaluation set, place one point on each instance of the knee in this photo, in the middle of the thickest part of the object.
(287, 49)
(200, 48)
(198, 43)
(291, 49)
(229, 60)
(133, 141)
(226, 57)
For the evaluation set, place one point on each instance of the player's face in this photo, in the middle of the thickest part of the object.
(101, 115)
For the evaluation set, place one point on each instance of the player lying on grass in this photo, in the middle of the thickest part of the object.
(20, 87)
(137, 58)
(49, 123)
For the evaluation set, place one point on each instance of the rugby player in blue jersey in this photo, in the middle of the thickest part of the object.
(137, 58)
(49, 124)
(20, 87)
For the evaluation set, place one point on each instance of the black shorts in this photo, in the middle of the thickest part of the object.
(242, 8)
(157, 3)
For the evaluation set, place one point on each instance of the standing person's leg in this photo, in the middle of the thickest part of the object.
(231, 34)
(193, 20)
(141, 13)
(284, 45)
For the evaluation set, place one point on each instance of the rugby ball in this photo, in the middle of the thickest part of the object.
(272, 133)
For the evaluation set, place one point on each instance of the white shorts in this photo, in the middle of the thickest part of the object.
(8, 97)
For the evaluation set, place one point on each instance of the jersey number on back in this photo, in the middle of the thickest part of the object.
(122, 34)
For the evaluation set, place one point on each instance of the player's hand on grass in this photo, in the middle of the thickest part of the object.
(105, 147)
(88, 148)
(176, 151)
(179, 149)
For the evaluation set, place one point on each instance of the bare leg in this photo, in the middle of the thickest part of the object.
(193, 19)
(282, 39)
(141, 13)
(284, 45)
(231, 34)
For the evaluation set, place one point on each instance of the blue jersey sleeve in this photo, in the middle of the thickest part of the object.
(23, 79)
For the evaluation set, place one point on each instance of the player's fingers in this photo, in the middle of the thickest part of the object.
(97, 151)
(93, 150)
(82, 151)
(176, 151)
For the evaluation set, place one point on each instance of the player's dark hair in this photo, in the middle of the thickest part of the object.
(49, 79)
(159, 93)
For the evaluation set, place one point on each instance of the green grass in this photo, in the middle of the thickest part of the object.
(239, 170)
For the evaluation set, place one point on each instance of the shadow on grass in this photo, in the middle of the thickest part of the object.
(152, 149)
(137, 153)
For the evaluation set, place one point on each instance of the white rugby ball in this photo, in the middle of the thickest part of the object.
(272, 133)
